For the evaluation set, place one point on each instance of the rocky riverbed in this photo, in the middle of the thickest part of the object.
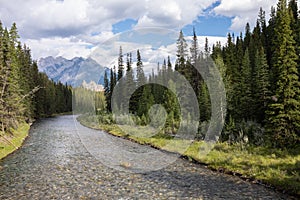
(63, 160)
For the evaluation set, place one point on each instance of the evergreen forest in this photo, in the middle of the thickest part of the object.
(260, 71)
(26, 94)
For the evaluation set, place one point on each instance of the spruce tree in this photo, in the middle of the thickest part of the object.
(191, 71)
(261, 85)
(194, 48)
(295, 26)
(106, 87)
(232, 71)
(136, 98)
(11, 93)
(131, 86)
(170, 69)
(181, 53)
(140, 75)
(245, 108)
(284, 111)
(111, 86)
(204, 103)
(263, 26)
(120, 65)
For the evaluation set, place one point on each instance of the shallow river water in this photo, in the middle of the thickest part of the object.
(63, 160)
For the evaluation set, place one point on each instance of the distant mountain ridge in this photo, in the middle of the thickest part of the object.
(73, 71)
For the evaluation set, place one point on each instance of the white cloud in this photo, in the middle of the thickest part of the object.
(71, 27)
(107, 53)
(243, 11)
(172, 14)
(54, 26)
(57, 46)
(44, 18)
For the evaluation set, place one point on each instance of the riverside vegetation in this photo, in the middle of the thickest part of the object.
(25, 93)
(260, 70)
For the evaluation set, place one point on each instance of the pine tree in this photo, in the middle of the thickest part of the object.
(194, 48)
(232, 71)
(272, 45)
(25, 63)
(171, 105)
(12, 108)
(120, 64)
(284, 112)
(111, 87)
(131, 86)
(181, 53)
(247, 36)
(204, 103)
(192, 65)
(145, 102)
(239, 51)
(295, 26)
(106, 85)
(246, 103)
(136, 98)
(170, 69)
(141, 79)
(206, 48)
(261, 85)
(107, 91)
(263, 26)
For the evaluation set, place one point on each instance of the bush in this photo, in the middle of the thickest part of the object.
(245, 132)
(106, 119)
(202, 130)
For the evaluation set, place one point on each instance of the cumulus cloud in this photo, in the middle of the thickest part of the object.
(243, 11)
(66, 27)
(57, 46)
(152, 52)
(172, 13)
(45, 18)
(61, 22)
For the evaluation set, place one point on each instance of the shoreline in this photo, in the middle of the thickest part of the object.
(112, 130)
(10, 145)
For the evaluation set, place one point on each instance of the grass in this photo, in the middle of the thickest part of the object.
(274, 167)
(10, 143)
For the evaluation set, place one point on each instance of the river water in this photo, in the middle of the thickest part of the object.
(63, 160)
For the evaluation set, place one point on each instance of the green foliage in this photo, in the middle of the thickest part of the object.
(87, 101)
(272, 166)
(259, 72)
(284, 110)
(246, 101)
(100, 102)
(261, 90)
(266, 80)
(25, 93)
(10, 144)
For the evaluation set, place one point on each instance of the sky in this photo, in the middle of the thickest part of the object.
(74, 28)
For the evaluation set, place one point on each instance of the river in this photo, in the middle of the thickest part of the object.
(63, 160)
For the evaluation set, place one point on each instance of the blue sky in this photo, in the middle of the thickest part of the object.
(72, 28)
(204, 25)
(208, 24)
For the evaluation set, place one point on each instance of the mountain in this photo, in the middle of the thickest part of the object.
(74, 71)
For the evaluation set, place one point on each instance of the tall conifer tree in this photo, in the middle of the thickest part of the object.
(284, 112)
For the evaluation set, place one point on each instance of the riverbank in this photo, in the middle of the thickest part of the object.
(279, 169)
(11, 142)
